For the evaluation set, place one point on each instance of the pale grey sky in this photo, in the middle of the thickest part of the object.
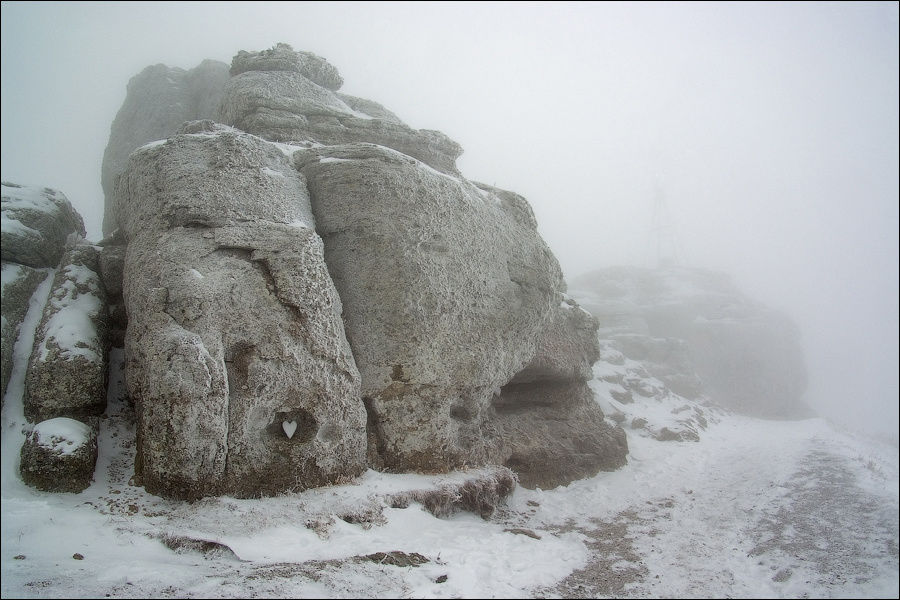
(771, 130)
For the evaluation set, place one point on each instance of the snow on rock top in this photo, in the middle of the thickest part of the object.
(62, 434)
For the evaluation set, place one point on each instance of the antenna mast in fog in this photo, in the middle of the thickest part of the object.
(664, 236)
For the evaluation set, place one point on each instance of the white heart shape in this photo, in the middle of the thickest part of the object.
(289, 428)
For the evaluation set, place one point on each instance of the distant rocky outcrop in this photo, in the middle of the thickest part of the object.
(159, 100)
(312, 288)
(692, 332)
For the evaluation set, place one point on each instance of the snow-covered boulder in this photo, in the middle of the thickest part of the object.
(17, 285)
(59, 455)
(67, 370)
(236, 357)
(268, 99)
(699, 336)
(36, 222)
(159, 99)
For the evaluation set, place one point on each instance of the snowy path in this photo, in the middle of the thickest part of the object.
(755, 509)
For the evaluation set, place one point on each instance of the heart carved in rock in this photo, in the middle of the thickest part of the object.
(289, 428)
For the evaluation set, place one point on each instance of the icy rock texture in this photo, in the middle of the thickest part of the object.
(159, 99)
(67, 370)
(59, 455)
(235, 350)
(699, 336)
(284, 104)
(18, 285)
(315, 234)
(283, 58)
(36, 222)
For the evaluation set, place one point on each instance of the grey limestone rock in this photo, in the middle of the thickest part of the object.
(67, 372)
(158, 101)
(18, 285)
(235, 352)
(59, 455)
(549, 429)
(36, 224)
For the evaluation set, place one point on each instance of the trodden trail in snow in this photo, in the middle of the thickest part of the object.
(754, 509)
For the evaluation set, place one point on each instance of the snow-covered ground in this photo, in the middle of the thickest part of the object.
(754, 509)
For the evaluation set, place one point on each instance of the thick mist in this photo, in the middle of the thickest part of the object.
(770, 131)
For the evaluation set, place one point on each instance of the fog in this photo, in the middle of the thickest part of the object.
(770, 130)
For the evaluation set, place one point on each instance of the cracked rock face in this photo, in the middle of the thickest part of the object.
(235, 350)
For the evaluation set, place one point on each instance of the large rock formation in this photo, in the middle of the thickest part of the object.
(699, 336)
(260, 275)
(59, 455)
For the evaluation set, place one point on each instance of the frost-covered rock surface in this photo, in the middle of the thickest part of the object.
(59, 455)
(699, 336)
(17, 285)
(68, 368)
(158, 101)
(236, 354)
(36, 222)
